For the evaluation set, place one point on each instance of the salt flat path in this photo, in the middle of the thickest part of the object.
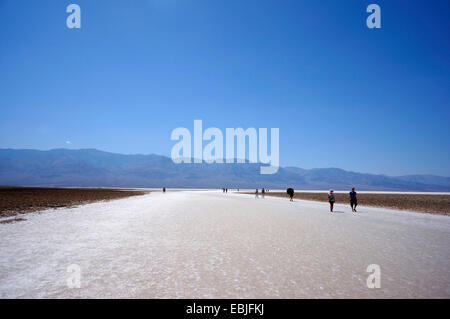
(212, 245)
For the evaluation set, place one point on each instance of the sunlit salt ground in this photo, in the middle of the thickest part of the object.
(214, 245)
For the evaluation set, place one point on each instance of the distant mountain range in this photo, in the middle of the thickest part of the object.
(94, 168)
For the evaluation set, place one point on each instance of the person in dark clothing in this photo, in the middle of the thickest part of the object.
(290, 192)
(164, 189)
(263, 192)
(331, 200)
(353, 200)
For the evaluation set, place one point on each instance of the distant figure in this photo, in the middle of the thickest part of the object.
(331, 199)
(164, 189)
(290, 192)
(223, 190)
(353, 200)
(256, 193)
(263, 192)
(226, 190)
(238, 189)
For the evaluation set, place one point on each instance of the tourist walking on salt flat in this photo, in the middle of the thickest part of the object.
(331, 199)
(290, 192)
(353, 200)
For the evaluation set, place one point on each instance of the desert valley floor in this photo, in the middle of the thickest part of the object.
(206, 244)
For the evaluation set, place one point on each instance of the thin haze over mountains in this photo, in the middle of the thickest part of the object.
(94, 168)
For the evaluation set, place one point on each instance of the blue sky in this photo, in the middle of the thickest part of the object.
(343, 95)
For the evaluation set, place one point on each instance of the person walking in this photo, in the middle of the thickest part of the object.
(331, 200)
(290, 192)
(263, 192)
(256, 193)
(353, 200)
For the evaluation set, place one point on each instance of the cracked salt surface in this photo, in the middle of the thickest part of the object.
(214, 245)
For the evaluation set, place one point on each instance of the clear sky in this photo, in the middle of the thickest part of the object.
(343, 95)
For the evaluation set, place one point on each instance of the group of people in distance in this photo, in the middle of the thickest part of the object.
(352, 197)
(353, 200)
(331, 198)
(263, 193)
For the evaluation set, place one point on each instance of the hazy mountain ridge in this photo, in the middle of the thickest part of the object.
(91, 167)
